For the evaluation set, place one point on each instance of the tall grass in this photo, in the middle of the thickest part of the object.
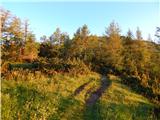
(27, 95)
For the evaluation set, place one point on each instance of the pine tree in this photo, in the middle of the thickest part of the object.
(158, 34)
(84, 31)
(138, 34)
(113, 45)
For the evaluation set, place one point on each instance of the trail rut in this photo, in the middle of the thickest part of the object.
(105, 83)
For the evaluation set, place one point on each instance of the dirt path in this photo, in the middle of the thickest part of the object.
(79, 89)
(105, 83)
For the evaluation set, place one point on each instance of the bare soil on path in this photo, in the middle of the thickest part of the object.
(94, 97)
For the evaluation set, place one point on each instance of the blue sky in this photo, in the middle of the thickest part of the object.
(45, 17)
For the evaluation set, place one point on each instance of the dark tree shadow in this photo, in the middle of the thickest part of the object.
(93, 112)
(23, 96)
(65, 104)
(114, 111)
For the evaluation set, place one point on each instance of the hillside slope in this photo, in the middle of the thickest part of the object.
(65, 97)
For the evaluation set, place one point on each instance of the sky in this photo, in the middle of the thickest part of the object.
(45, 16)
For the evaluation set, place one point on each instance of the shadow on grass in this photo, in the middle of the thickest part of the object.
(24, 94)
(64, 106)
(24, 97)
(65, 103)
(93, 112)
(135, 84)
(114, 111)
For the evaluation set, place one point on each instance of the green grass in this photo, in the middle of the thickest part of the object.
(120, 103)
(41, 97)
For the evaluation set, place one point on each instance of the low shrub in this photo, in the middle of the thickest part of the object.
(136, 83)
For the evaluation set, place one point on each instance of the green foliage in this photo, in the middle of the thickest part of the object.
(13, 39)
(78, 67)
(49, 51)
(24, 66)
(82, 32)
(5, 67)
(31, 47)
(113, 45)
(10, 51)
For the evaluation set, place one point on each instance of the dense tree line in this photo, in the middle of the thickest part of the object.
(110, 53)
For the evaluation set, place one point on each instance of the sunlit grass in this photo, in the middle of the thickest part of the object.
(120, 103)
(39, 96)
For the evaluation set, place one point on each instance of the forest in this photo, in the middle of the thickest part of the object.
(86, 77)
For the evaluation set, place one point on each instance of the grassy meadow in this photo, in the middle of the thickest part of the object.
(36, 96)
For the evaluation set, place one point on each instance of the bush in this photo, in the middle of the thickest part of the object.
(78, 67)
(151, 92)
(6, 66)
